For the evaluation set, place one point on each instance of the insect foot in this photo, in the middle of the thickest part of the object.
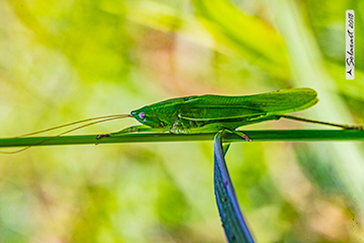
(103, 135)
(352, 127)
(358, 127)
(243, 135)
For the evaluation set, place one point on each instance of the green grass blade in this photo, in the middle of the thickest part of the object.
(255, 135)
(247, 35)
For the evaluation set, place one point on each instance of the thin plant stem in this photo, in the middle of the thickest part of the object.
(255, 135)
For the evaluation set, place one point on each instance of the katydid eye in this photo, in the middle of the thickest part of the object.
(141, 115)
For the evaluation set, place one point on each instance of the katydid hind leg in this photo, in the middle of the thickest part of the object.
(348, 127)
(238, 133)
(243, 135)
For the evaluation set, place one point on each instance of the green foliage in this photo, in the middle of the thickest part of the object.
(67, 60)
(246, 35)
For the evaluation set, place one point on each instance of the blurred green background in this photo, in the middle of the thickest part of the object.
(62, 61)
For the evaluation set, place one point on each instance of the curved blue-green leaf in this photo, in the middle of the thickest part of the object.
(236, 229)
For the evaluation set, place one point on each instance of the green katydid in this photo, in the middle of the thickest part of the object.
(211, 113)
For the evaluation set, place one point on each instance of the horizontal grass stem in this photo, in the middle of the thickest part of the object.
(255, 135)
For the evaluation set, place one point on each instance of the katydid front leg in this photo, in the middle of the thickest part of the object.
(132, 129)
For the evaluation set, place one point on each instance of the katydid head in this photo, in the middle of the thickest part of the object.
(145, 116)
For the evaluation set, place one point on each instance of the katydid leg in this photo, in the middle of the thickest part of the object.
(322, 123)
(243, 135)
(238, 133)
(132, 129)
